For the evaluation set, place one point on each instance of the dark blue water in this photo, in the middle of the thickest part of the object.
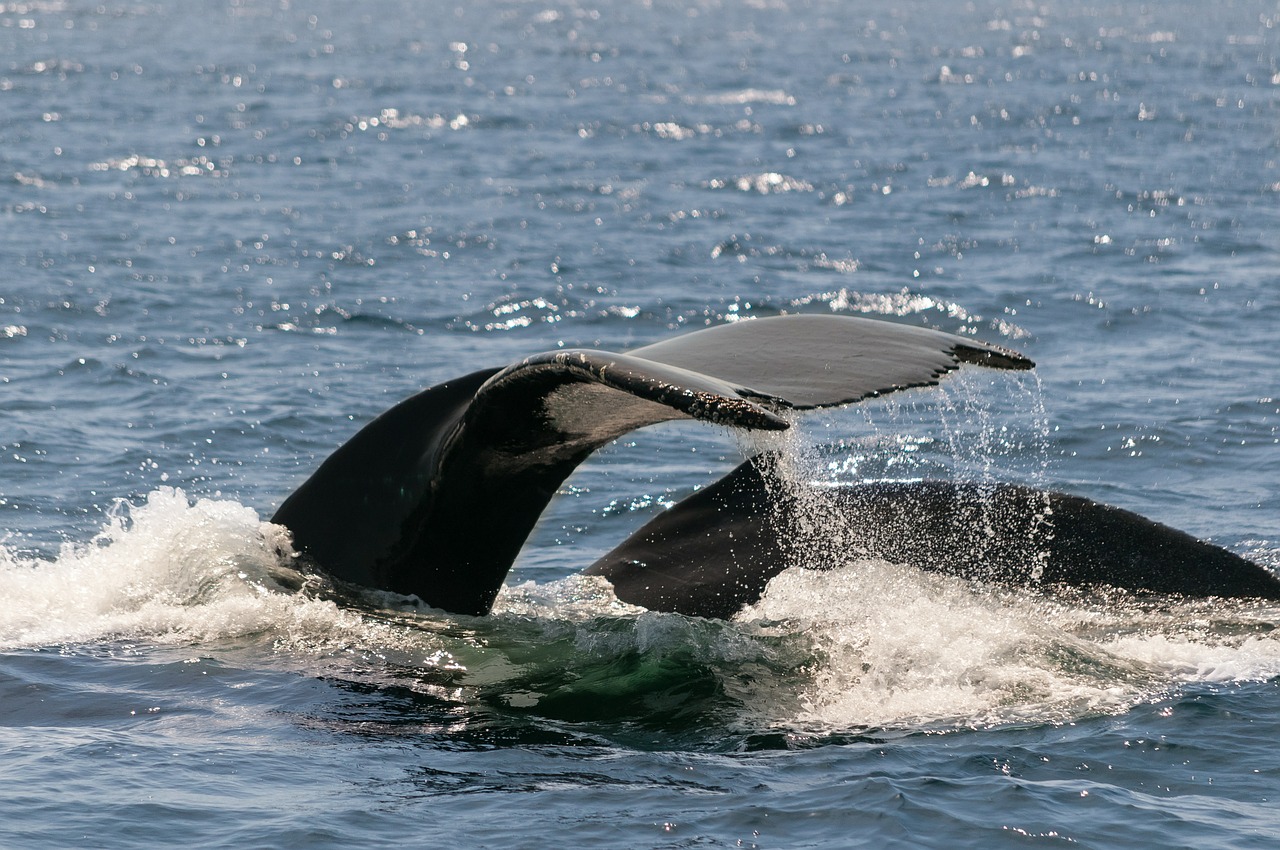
(234, 232)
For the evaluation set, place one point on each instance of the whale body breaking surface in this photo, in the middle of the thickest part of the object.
(435, 497)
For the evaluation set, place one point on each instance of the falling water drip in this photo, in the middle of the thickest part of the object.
(971, 435)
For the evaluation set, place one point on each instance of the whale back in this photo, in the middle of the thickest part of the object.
(715, 551)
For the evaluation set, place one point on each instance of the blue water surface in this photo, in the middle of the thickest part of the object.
(234, 232)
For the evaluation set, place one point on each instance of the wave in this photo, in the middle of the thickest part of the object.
(169, 570)
(860, 644)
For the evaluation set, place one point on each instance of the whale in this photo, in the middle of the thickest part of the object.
(435, 497)
(713, 553)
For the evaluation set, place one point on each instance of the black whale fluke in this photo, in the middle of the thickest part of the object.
(436, 496)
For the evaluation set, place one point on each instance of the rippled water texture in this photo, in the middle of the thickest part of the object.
(235, 232)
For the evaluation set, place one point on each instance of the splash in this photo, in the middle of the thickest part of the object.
(900, 648)
(169, 570)
(861, 644)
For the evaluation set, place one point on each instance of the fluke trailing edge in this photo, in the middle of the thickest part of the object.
(436, 496)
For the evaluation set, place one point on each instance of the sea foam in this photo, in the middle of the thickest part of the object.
(170, 569)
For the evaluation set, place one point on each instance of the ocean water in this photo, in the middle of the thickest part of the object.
(234, 232)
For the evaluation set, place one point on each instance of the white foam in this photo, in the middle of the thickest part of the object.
(576, 598)
(900, 647)
(167, 570)
(867, 644)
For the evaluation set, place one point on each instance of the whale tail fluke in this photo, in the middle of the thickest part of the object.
(436, 496)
